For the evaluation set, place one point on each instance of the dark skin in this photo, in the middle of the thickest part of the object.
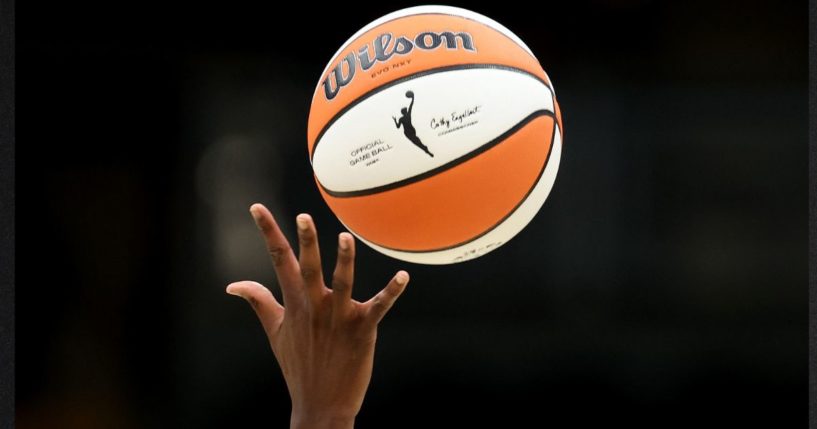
(322, 338)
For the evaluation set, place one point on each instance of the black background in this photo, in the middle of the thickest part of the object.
(663, 282)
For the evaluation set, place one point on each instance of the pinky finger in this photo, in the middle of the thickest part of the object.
(380, 304)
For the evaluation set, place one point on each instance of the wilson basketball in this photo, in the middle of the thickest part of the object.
(434, 135)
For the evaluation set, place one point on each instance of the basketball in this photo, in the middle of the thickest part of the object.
(434, 135)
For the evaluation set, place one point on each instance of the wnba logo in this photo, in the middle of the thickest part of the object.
(383, 51)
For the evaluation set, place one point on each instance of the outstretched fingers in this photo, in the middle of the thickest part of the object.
(266, 307)
(379, 305)
(344, 275)
(283, 259)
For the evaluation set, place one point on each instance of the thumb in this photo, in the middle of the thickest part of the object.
(266, 307)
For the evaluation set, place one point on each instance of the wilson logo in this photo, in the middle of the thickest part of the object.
(383, 47)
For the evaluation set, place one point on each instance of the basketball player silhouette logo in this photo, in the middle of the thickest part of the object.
(408, 128)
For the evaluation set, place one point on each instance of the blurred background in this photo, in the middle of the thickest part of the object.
(663, 283)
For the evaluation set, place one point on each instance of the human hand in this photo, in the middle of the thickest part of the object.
(322, 338)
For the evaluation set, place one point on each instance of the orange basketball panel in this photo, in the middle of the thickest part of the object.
(491, 47)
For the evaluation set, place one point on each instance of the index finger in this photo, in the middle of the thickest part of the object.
(283, 259)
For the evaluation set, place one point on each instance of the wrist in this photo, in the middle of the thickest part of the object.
(306, 420)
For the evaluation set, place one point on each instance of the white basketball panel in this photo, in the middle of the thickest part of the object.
(454, 113)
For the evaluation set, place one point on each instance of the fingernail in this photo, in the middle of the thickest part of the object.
(302, 221)
(254, 213)
(231, 290)
(343, 242)
(401, 278)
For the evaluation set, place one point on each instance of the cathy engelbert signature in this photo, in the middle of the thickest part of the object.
(455, 121)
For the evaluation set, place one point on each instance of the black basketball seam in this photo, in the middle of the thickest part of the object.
(387, 85)
(501, 221)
